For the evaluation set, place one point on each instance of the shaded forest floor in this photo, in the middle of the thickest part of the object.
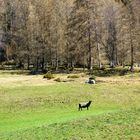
(34, 108)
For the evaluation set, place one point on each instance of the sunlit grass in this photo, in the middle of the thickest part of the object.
(34, 110)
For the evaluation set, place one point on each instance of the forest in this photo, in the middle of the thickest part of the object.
(64, 34)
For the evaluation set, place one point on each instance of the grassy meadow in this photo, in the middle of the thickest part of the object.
(33, 108)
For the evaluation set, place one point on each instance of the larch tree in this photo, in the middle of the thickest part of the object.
(83, 29)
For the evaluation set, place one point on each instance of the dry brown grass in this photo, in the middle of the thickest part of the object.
(10, 80)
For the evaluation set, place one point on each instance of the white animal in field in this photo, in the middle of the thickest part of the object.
(90, 81)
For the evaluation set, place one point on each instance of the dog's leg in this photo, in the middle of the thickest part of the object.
(79, 107)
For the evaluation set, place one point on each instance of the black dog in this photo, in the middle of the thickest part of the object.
(84, 105)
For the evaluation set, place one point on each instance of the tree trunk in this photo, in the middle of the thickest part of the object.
(28, 62)
(99, 57)
(43, 63)
(132, 51)
(90, 50)
(132, 58)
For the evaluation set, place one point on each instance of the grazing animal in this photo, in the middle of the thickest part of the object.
(84, 105)
(90, 81)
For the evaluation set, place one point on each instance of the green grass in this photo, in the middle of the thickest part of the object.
(110, 126)
(41, 112)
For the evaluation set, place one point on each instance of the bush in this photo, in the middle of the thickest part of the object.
(71, 69)
(58, 80)
(92, 77)
(103, 68)
(51, 68)
(10, 62)
(136, 70)
(35, 72)
(123, 72)
(48, 76)
(62, 68)
(73, 76)
(96, 67)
